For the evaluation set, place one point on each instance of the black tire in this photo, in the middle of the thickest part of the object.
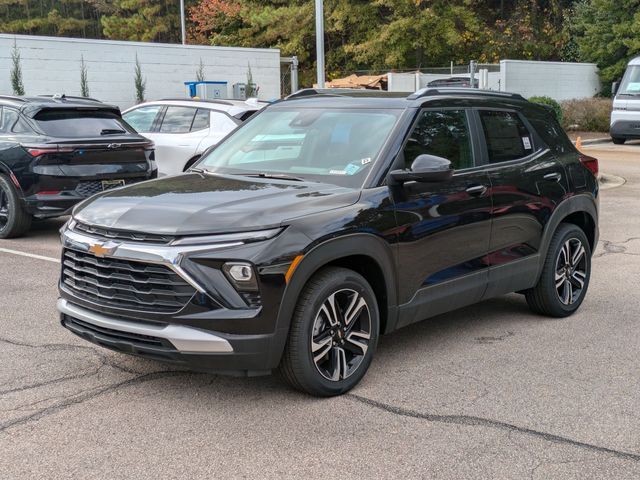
(618, 140)
(310, 322)
(558, 292)
(14, 220)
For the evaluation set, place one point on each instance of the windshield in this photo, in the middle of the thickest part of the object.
(324, 145)
(631, 82)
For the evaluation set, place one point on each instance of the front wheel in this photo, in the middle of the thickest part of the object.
(565, 276)
(334, 333)
(618, 140)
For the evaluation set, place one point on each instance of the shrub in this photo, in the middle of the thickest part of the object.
(587, 114)
(555, 106)
(16, 71)
(139, 81)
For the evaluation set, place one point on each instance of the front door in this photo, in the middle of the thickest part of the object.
(444, 228)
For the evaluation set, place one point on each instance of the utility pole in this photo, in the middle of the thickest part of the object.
(320, 43)
(182, 23)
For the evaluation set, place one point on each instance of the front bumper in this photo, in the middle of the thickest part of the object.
(628, 129)
(216, 330)
(194, 348)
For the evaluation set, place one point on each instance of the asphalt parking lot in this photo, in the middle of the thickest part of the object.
(490, 391)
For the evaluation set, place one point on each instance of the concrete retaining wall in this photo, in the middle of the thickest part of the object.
(52, 65)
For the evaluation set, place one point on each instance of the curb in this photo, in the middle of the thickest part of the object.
(595, 141)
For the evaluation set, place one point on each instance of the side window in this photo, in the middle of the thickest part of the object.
(10, 122)
(444, 133)
(507, 137)
(221, 123)
(201, 120)
(177, 120)
(141, 119)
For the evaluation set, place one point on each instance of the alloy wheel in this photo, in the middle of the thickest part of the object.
(4, 208)
(571, 271)
(340, 334)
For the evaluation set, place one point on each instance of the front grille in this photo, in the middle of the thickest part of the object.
(86, 189)
(124, 284)
(122, 235)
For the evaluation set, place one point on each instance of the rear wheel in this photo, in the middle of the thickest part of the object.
(333, 335)
(565, 276)
(618, 140)
(14, 220)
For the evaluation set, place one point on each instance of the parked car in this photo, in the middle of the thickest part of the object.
(450, 82)
(57, 151)
(302, 237)
(182, 129)
(625, 116)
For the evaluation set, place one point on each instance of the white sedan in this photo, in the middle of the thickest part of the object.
(183, 129)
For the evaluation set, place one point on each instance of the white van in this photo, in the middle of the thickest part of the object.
(625, 117)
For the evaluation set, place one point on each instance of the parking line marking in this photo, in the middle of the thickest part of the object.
(30, 255)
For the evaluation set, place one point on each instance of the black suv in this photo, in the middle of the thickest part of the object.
(327, 220)
(56, 151)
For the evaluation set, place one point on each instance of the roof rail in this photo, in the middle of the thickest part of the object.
(344, 92)
(12, 97)
(64, 96)
(434, 91)
(205, 100)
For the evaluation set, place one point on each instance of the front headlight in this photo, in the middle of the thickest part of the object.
(240, 238)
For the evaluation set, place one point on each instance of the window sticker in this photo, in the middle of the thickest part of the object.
(364, 161)
(526, 143)
(351, 169)
(337, 172)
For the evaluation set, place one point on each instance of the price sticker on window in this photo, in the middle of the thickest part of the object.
(526, 143)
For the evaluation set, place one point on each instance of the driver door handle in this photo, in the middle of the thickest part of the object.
(477, 190)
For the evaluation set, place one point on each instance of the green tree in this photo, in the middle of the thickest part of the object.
(139, 81)
(71, 18)
(84, 83)
(607, 32)
(16, 71)
(140, 20)
(200, 76)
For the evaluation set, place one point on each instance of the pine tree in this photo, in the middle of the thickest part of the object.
(84, 83)
(200, 72)
(140, 82)
(16, 71)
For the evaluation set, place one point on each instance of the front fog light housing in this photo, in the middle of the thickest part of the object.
(242, 276)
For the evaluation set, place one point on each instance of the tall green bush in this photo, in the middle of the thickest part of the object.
(16, 71)
(550, 102)
(140, 82)
(84, 82)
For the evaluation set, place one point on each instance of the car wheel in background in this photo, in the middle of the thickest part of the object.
(618, 140)
(14, 221)
(334, 333)
(565, 275)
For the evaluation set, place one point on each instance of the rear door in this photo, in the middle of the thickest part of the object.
(444, 227)
(179, 133)
(527, 183)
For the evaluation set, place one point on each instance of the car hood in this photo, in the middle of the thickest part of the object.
(196, 203)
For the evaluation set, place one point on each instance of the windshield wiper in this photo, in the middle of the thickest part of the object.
(277, 176)
(111, 131)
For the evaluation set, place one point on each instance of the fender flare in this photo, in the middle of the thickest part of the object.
(330, 250)
(578, 203)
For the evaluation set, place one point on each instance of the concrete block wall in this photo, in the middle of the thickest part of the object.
(558, 80)
(52, 65)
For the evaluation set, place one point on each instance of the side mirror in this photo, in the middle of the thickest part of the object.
(614, 88)
(425, 168)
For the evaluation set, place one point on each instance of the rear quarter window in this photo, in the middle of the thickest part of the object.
(79, 123)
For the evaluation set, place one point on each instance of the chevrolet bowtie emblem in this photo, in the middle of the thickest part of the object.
(99, 250)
